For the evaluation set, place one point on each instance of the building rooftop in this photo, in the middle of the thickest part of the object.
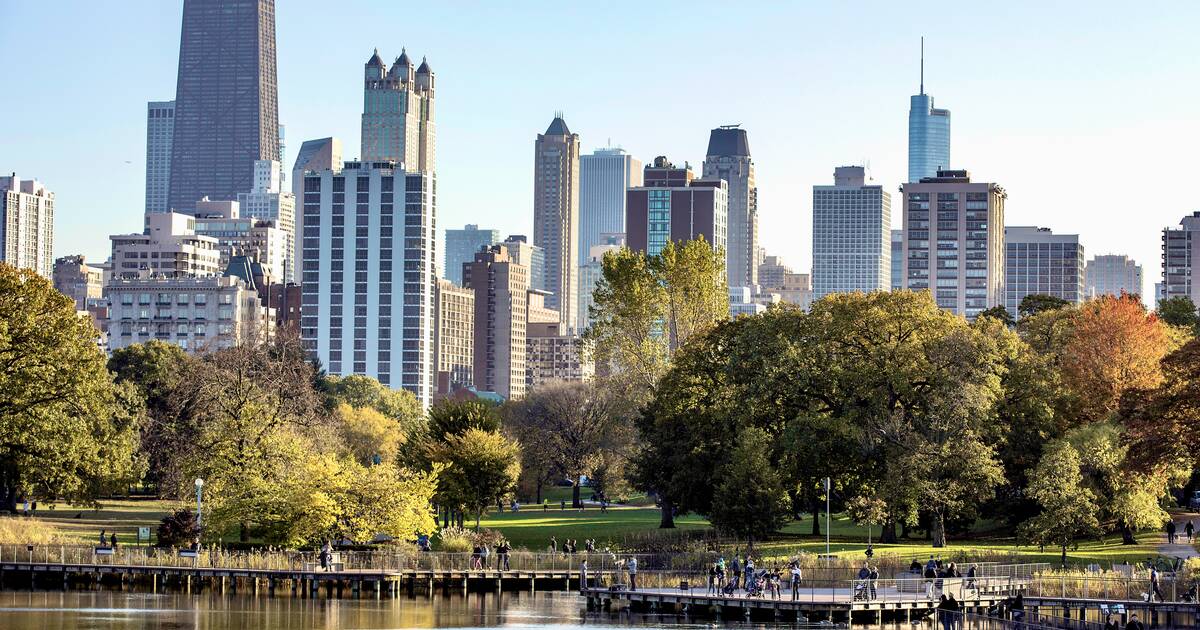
(728, 141)
(558, 127)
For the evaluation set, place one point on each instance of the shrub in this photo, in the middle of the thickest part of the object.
(28, 531)
(462, 540)
(178, 529)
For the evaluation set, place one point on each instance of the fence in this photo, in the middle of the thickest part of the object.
(969, 621)
(1106, 587)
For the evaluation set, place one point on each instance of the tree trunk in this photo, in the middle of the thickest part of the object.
(1127, 534)
(244, 531)
(937, 527)
(575, 502)
(477, 513)
(668, 516)
(904, 530)
(1064, 556)
(816, 512)
(539, 492)
(888, 535)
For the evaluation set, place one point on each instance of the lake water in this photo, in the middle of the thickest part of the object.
(54, 610)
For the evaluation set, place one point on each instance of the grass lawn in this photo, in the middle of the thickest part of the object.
(123, 516)
(532, 528)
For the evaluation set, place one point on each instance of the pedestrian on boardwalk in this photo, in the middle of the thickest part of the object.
(113, 540)
(1155, 591)
(502, 555)
(553, 545)
(955, 611)
(631, 566)
(930, 576)
(325, 556)
(944, 614)
(749, 580)
(1111, 622)
(736, 567)
(712, 579)
(103, 538)
(1134, 623)
(874, 581)
(795, 577)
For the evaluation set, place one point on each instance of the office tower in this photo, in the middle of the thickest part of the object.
(169, 247)
(1181, 259)
(852, 224)
(729, 159)
(1111, 274)
(195, 313)
(501, 288)
(322, 154)
(928, 133)
(556, 215)
(397, 119)
(897, 260)
(796, 289)
(268, 203)
(592, 272)
(554, 356)
(1042, 262)
(238, 235)
(954, 241)
(455, 336)
(160, 129)
(671, 205)
(771, 272)
(26, 225)
(368, 273)
(604, 176)
(531, 256)
(461, 246)
(226, 104)
(76, 279)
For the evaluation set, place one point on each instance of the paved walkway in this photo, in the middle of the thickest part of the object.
(1181, 549)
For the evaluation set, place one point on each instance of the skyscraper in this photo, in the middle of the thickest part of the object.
(27, 225)
(604, 176)
(501, 288)
(160, 129)
(266, 201)
(1042, 262)
(461, 246)
(455, 336)
(897, 260)
(672, 206)
(852, 224)
(1111, 274)
(772, 272)
(76, 279)
(397, 119)
(556, 215)
(928, 133)
(1181, 259)
(729, 159)
(368, 273)
(954, 241)
(226, 102)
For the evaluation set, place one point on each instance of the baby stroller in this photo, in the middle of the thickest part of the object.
(754, 587)
(860, 590)
(729, 588)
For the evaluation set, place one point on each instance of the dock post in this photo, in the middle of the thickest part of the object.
(154, 583)
(187, 588)
(532, 584)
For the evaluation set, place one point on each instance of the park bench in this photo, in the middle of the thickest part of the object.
(104, 551)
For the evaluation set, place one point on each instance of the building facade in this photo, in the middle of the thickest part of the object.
(501, 289)
(267, 202)
(1039, 261)
(796, 289)
(27, 225)
(531, 256)
(81, 282)
(771, 272)
(461, 246)
(554, 356)
(197, 314)
(556, 215)
(671, 206)
(1181, 259)
(592, 272)
(226, 100)
(397, 119)
(954, 241)
(604, 176)
(368, 273)
(928, 134)
(237, 235)
(852, 227)
(169, 247)
(160, 131)
(1112, 274)
(897, 260)
(456, 337)
(728, 158)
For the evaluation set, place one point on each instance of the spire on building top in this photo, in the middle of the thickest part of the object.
(424, 68)
(922, 65)
(558, 126)
(403, 58)
(375, 60)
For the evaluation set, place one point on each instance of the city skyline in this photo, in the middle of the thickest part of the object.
(1044, 99)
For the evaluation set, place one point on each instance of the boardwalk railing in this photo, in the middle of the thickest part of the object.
(915, 589)
(1102, 587)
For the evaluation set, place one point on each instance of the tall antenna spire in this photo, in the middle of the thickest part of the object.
(922, 65)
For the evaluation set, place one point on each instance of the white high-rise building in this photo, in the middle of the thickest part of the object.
(1042, 262)
(852, 224)
(160, 131)
(268, 202)
(397, 118)
(368, 281)
(1181, 259)
(27, 225)
(954, 241)
(728, 158)
(604, 176)
(169, 247)
(1112, 274)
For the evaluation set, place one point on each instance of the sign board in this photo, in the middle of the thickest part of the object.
(144, 534)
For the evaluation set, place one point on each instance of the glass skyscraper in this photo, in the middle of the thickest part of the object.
(226, 101)
(852, 227)
(928, 138)
(1044, 263)
(461, 247)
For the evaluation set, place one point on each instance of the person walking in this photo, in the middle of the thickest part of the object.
(930, 576)
(736, 568)
(1111, 622)
(103, 538)
(325, 556)
(796, 575)
(874, 577)
(712, 579)
(749, 575)
(943, 614)
(113, 540)
(1188, 529)
(1134, 623)
(1171, 532)
(1155, 591)
(631, 566)
(502, 555)
(955, 610)
(553, 545)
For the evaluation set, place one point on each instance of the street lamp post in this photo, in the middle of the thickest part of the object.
(827, 519)
(199, 503)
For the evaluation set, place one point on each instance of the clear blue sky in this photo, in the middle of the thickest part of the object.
(1085, 112)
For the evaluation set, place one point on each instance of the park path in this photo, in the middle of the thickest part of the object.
(1181, 549)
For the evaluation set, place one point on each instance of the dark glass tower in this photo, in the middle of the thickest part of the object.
(226, 104)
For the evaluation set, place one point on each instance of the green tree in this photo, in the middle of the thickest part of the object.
(481, 468)
(1035, 303)
(1163, 423)
(749, 501)
(361, 391)
(647, 307)
(1179, 311)
(65, 429)
(1068, 507)
(369, 435)
(1000, 313)
(451, 417)
(154, 369)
